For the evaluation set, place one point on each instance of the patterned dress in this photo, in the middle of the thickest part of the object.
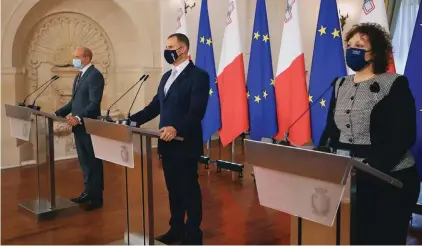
(355, 102)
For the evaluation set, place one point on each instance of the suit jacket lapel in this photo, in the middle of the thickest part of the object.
(179, 79)
(82, 78)
(162, 84)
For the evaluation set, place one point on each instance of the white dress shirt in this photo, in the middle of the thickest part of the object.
(175, 72)
(83, 70)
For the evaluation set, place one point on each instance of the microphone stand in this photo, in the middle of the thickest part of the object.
(127, 121)
(286, 140)
(22, 104)
(35, 99)
(107, 117)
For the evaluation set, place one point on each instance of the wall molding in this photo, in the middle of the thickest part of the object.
(64, 158)
(12, 70)
(32, 162)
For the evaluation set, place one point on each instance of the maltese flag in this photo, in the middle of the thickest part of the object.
(231, 81)
(375, 11)
(290, 82)
(181, 24)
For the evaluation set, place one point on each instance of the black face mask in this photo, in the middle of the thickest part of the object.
(355, 58)
(171, 55)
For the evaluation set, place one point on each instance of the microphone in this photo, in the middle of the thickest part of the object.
(128, 121)
(107, 116)
(45, 88)
(139, 89)
(286, 140)
(24, 100)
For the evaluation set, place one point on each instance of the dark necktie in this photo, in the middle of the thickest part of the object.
(77, 79)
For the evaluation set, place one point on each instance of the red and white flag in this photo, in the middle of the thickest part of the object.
(181, 24)
(231, 81)
(375, 11)
(290, 83)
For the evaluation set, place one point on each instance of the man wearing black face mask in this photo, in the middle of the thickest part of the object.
(181, 101)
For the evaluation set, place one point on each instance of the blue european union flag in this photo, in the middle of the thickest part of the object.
(327, 63)
(413, 74)
(205, 60)
(260, 81)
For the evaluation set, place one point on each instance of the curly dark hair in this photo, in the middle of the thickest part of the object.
(380, 41)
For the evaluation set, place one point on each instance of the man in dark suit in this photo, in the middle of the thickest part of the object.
(87, 94)
(181, 101)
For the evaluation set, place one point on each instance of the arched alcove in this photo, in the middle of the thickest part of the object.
(38, 41)
(111, 15)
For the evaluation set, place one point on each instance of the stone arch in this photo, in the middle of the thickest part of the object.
(19, 27)
(30, 44)
(50, 51)
(54, 39)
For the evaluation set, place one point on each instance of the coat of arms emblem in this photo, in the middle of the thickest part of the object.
(189, 4)
(320, 202)
(368, 6)
(124, 153)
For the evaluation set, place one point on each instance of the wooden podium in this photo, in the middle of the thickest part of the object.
(115, 143)
(30, 125)
(313, 187)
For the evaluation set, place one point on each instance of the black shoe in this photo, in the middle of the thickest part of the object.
(94, 204)
(192, 238)
(171, 237)
(83, 198)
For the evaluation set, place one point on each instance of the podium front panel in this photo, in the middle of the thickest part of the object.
(300, 182)
(117, 152)
(20, 129)
(19, 121)
(111, 142)
(302, 162)
(311, 199)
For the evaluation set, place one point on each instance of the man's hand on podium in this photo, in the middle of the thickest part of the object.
(73, 121)
(168, 133)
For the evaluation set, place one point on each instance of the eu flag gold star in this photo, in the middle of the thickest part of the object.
(336, 33)
(265, 94)
(202, 39)
(211, 91)
(272, 82)
(248, 94)
(265, 38)
(322, 30)
(209, 41)
(257, 99)
(322, 102)
(310, 98)
(256, 35)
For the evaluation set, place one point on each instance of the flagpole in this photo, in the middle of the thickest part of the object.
(233, 158)
(208, 147)
(208, 153)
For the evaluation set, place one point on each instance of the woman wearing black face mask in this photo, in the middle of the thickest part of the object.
(372, 116)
